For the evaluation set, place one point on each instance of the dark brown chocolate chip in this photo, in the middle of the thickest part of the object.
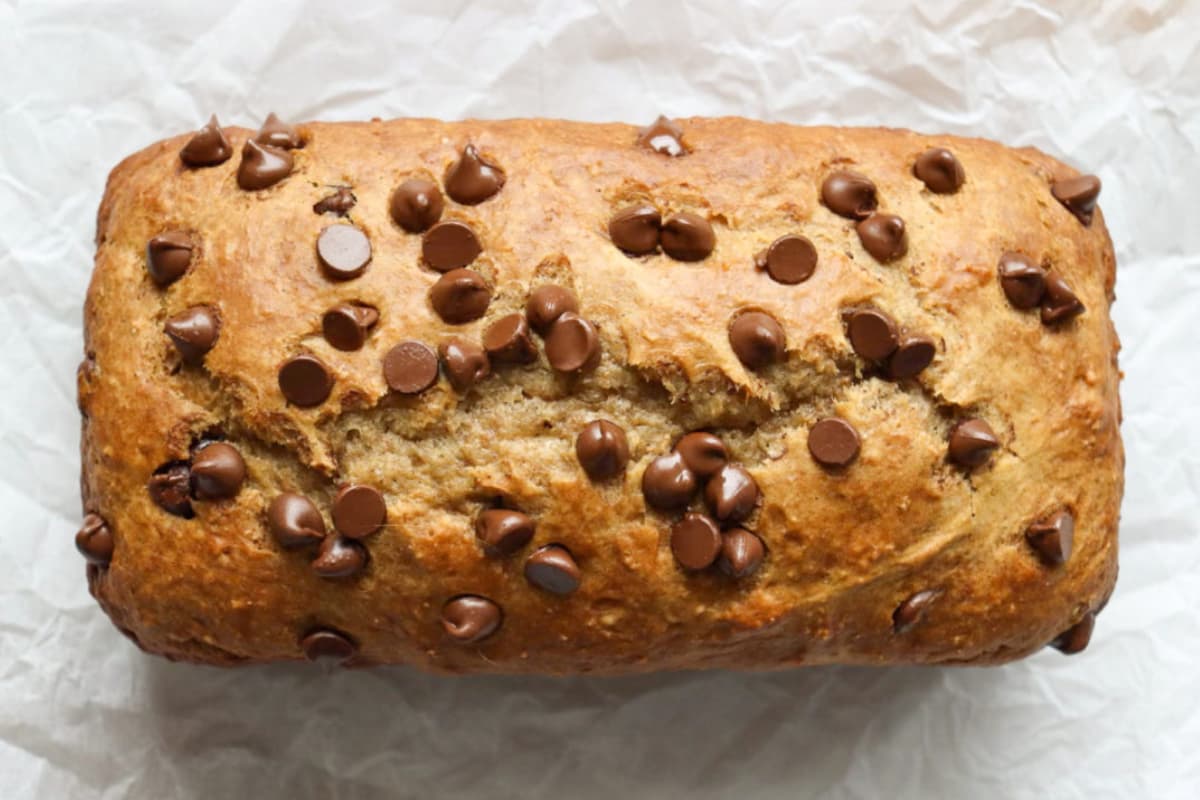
(344, 251)
(572, 344)
(346, 325)
(503, 531)
(602, 449)
(789, 260)
(667, 483)
(416, 205)
(170, 487)
(410, 367)
(340, 202)
(663, 136)
(695, 541)
(1078, 195)
(547, 303)
(470, 618)
(939, 170)
(552, 568)
(94, 540)
(327, 643)
(972, 442)
(1023, 281)
(833, 442)
(1075, 639)
(460, 296)
(913, 610)
(757, 339)
(277, 133)
(703, 453)
(1059, 303)
(884, 237)
(340, 557)
(1052, 537)
(450, 245)
(193, 331)
(636, 229)
(731, 494)
(358, 511)
(913, 354)
(168, 257)
(471, 179)
(305, 381)
(742, 553)
(508, 339)
(208, 147)
(262, 167)
(873, 334)
(687, 237)
(218, 471)
(294, 520)
(464, 362)
(849, 194)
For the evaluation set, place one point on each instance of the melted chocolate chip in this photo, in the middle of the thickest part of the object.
(663, 136)
(277, 133)
(695, 541)
(572, 344)
(1052, 537)
(263, 167)
(358, 511)
(849, 194)
(731, 494)
(410, 368)
(217, 471)
(1023, 281)
(913, 610)
(450, 245)
(1078, 195)
(742, 553)
(345, 326)
(602, 449)
(340, 202)
(508, 339)
(208, 147)
(667, 483)
(1059, 303)
(460, 296)
(833, 442)
(703, 453)
(470, 618)
(168, 257)
(305, 381)
(635, 230)
(416, 205)
(503, 531)
(552, 568)
(883, 236)
(1075, 639)
(547, 303)
(344, 251)
(170, 488)
(972, 442)
(939, 170)
(294, 520)
(94, 540)
(471, 179)
(464, 362)
(327, 643)
(687, 237)
(757, 339)
(873, 334)
(913, 354)
(193, 332)
(789, 260)
(340, 557)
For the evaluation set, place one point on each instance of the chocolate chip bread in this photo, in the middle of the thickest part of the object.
(541, 396)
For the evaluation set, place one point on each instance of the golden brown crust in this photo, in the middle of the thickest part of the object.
(844, 548)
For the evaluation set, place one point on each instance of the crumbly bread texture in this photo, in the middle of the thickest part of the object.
(908, 553)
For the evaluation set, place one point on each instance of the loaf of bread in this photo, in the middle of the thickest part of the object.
(544, 396)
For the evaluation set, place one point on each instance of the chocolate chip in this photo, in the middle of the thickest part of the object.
(913, 354)
(218, 471)
(508, 339)
(1023, 281)
(410, 368)
(208, 147)
(465, 363)
(1059, 303)
(663, 136)
(635, 229)
(450, 245)
(547, 303)
(833, 442)
(552, 568)
(344, 251)
(695, 541)
(170, 488)
(340, 202)
(345, 326)
(502, 531)
(262, 167)
(667, 483)
(471, 179)
(1075, 639)
(703, 453)
(94, 540)
(939, 170)
(470, 618)
(602, 449)
(1078, 195)
(1052, 537)
(742, 553)
(460, 296)
(789, 260)
(340, 557)
(294, 520)
(972, 442)
(731, 494)
(358, 511)
(168, 257)
(913, 610)
(572, 344)
(849, 194)
(687, 237)
(305, 381)
(873, 334)
(193, 332)
(883, 236)
(327, 643)
(416, 205)
(277, 133)
(757, 339)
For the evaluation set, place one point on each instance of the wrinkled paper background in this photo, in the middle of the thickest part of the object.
(84, 714)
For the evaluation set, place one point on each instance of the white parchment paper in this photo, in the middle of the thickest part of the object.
(1115, 90)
